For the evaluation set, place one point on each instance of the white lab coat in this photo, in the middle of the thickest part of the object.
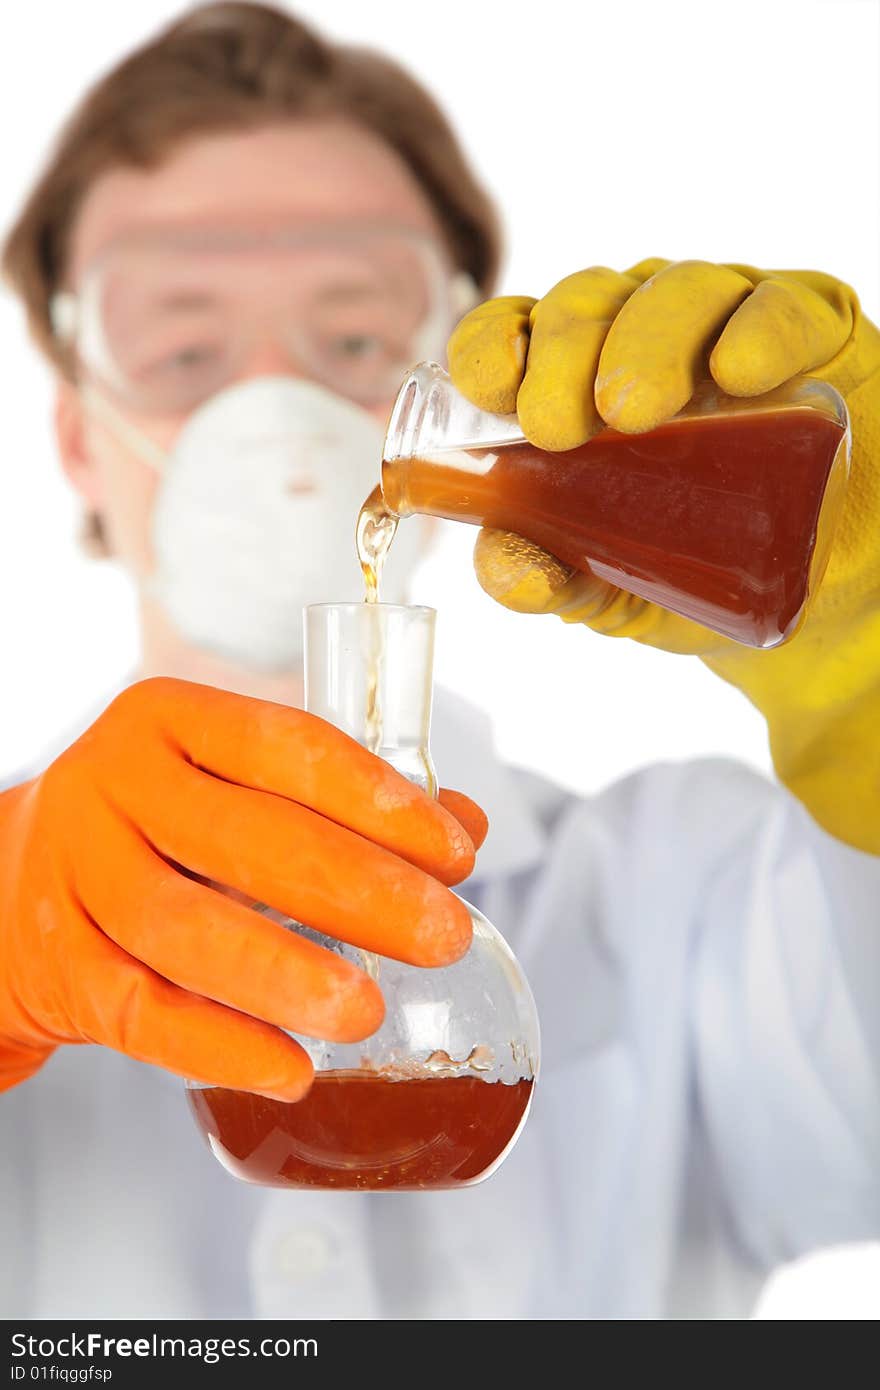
(706, 964)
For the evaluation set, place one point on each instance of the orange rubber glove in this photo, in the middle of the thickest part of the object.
(111, 930)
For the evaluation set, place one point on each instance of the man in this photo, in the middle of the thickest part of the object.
(243, 239)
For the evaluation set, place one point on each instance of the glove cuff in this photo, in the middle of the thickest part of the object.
(820, 696)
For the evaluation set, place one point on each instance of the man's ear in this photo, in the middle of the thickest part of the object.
(71, 438)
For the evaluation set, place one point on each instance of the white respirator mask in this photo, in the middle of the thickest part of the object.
(256, 512)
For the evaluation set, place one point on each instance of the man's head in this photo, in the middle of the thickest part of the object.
(279, 172)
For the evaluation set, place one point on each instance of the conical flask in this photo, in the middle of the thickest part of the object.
(723, 515)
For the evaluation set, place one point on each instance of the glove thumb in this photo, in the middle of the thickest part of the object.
(521, 576)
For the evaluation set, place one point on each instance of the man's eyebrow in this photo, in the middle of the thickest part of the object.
(185, 299)
(354, 290)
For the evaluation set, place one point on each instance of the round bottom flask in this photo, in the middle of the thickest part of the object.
(437, 1096)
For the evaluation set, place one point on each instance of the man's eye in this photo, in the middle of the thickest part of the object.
(195, 355)
(192, 366)
(357, 346)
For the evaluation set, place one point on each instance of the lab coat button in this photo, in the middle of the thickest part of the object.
(301, 1254)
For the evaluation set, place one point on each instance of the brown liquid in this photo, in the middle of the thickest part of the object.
(359, 1130)
(376, 527)
(714, 518)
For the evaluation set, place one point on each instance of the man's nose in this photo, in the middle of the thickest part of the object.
(272, 359)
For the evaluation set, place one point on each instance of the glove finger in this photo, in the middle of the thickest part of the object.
(521, 576)
(467, 813)
(555, 404)
(782, 329)
(487, 352)
(657, 346)
(307, 867)
(196, 937)
(303, 759)
(114, 1000)
(645, 269)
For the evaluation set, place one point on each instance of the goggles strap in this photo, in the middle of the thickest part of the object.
(126, 433)
(461, 294)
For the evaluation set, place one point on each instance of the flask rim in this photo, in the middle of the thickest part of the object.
(349, 607)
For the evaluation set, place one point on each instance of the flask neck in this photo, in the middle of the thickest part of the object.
(369, 670)
(433, 423)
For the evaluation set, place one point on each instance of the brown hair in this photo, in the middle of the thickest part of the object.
(226, 66)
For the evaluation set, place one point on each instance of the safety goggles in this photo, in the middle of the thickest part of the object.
(163, 320)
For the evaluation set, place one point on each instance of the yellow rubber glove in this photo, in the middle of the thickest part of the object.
(627, 350)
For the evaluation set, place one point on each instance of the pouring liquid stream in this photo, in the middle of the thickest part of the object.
(376, 528)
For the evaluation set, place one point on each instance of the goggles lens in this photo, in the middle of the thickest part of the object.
(164, 322)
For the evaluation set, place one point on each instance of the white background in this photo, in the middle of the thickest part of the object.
(608, 132)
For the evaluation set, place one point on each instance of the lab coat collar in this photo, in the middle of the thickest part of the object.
(465, 758)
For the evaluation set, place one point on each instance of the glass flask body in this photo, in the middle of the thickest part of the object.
(437, 1096)
(723, 515)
